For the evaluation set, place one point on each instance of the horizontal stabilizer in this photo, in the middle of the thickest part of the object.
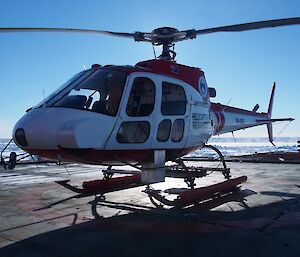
(275, 120)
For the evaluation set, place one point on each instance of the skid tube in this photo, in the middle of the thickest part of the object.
(194, 196)
(103, 186)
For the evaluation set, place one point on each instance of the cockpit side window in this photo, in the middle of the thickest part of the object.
(100, 93)
(142, 97)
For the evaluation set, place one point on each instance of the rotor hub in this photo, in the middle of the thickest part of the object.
(165, 36)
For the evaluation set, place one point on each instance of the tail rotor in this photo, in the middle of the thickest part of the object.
(269, 125)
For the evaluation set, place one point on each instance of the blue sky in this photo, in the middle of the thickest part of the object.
(241, 66)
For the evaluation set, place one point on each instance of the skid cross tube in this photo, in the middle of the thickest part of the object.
(226, 171)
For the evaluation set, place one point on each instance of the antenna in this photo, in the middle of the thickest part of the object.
(226, 105)
(154, 51)
(44, 104)
(233, 136)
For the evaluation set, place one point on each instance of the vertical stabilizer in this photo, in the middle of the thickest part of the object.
(269, 125)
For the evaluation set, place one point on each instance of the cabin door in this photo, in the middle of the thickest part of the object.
(171, 116)
(134, 128)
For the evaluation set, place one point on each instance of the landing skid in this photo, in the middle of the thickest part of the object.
(187, 197)
(194, 196)
(103, 186)
(189, 174)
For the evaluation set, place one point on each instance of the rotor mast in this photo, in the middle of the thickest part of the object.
(166, 52)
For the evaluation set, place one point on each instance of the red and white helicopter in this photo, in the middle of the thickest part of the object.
(144, 115)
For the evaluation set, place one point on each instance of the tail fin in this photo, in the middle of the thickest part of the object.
(269, 125)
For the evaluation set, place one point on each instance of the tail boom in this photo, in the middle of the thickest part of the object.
(230, 119)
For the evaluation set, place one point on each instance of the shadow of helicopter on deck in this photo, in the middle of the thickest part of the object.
(150, 231)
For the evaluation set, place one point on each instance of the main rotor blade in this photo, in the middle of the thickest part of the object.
(251, 26)
(103, 32)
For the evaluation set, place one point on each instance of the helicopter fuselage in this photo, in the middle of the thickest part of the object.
(123, 114)
(120, 114)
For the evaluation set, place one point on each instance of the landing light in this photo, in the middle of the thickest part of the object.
(20, 137)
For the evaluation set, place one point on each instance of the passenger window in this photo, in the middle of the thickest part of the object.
(133, 132)
(173, 99)
(164, 129)
(142, 97)
(177, 130)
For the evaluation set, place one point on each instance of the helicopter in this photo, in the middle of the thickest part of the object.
(142, 115)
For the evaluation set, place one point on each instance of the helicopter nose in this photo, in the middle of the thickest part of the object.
(22, 132)
(56, 128)
(36, 130)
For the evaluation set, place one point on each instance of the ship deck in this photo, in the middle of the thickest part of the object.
(41, 218)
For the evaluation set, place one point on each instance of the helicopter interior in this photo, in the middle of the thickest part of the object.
(101, 92)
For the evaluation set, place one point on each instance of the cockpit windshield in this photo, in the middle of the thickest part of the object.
(69, 83)
(101, 92)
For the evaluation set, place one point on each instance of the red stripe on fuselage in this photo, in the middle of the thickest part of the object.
(221, 120)
(108, 157)
(216, 107)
